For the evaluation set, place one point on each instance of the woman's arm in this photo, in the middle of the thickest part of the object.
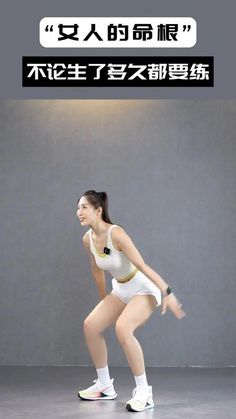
(98, 274)
(123, 242)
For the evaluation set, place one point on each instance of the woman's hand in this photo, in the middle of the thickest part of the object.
(170, 301)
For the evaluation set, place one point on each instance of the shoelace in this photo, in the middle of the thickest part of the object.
(138, 394)
(99, 384)
(96, 380)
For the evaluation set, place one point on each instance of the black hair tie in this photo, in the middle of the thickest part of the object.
(102, 195)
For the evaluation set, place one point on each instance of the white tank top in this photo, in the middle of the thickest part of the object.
(116, 262)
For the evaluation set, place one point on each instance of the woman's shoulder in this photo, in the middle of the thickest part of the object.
(116, 229)
(85, 239)
(118, 232)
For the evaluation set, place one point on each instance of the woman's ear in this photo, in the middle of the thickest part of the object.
(99, 211)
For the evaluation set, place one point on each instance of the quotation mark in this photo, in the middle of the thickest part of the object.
(49, 29)
(186, 27)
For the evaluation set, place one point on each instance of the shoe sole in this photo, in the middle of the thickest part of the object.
(98, 398)
(130, 408)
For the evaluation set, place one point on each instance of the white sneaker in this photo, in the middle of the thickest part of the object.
(142, 399)
(98, 391)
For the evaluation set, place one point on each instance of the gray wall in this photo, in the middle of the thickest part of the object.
(169, 169)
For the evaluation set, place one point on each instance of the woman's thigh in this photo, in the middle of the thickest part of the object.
(105, 313)
(137, 312)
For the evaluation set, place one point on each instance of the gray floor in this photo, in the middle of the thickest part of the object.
(51, 392)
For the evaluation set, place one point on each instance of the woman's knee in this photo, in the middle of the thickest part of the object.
(90, 326)
(123, 331)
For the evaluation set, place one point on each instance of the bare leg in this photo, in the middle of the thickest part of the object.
(136, 313)
(103, 315)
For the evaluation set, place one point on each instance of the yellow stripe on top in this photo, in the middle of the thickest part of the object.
(102, 255)
(128, 277)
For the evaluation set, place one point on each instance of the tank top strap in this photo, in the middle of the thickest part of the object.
(109, 240)
(92, 248)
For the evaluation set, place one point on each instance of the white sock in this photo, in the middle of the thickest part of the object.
(103, 375)
(141, 380)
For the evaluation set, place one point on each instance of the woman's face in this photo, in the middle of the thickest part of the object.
(86, 212)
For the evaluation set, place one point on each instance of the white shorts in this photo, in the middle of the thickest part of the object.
(140, 284)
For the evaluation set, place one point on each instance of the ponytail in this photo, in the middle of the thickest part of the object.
(105, 215)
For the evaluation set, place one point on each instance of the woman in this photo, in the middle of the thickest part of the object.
(136, 291)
